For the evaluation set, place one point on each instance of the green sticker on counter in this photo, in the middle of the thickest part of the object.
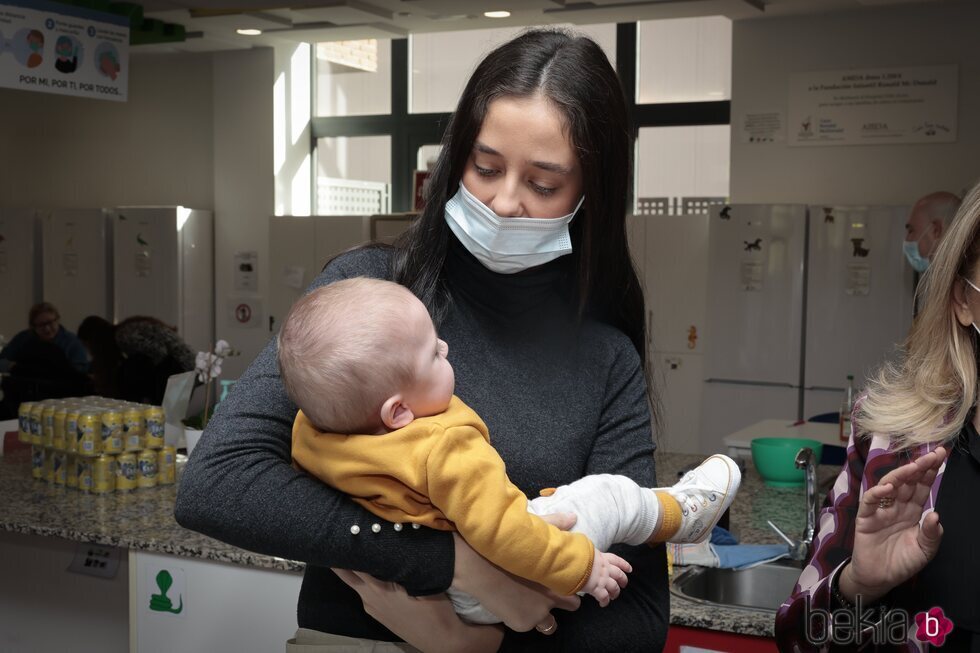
(166, 589)
(160, 602)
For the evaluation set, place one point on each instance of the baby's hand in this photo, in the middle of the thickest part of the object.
(607, 577)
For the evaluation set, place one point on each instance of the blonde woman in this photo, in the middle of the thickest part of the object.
(884, 571)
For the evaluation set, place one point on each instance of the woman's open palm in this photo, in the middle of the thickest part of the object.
(889, 546)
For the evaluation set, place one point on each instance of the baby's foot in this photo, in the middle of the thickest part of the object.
(704, 494)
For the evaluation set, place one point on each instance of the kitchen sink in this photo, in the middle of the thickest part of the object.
(764, 587)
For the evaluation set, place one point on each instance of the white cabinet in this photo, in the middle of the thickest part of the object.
(20, 269)
(163, 267)
(185, 604)
(670, 253)
(299, 247)
(77, 250)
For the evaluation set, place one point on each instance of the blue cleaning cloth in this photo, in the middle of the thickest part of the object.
(744, 556)
(720, 536)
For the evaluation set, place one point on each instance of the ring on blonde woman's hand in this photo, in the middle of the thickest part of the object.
(886, 502)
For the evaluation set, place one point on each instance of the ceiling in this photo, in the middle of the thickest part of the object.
(211, 24)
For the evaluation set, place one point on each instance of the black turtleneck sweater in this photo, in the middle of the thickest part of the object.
(562, 398)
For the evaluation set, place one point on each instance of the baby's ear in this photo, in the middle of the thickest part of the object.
(395, 413)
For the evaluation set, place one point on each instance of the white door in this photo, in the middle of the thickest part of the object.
(146, 263)
(292, 263)
(76, 264)
(674, 276)
(196, 300)
(19, 270)
(338, 233)
(859, 295)
(753, 330)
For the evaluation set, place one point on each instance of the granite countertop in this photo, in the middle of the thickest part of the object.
(143, 520)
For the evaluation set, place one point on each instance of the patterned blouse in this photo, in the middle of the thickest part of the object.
(868, 460)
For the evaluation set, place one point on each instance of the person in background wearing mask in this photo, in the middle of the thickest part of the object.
(928, 220)
(520, 256)
(45, 327)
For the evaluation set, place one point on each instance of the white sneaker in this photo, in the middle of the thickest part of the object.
(705, 493)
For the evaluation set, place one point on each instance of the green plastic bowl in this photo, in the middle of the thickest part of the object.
(775, 459)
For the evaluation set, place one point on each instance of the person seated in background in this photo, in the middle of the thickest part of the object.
(44, 327)
(133, 359)
(43, 362)
(99, 337)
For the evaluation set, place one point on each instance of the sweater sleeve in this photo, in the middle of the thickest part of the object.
(240, 486)
(831, 550)
(76, 353)
(638, 619)
(15, 347)
(468, 482)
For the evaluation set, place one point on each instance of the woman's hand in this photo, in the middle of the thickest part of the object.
(521, 604)
(428, 623)
(889, 546)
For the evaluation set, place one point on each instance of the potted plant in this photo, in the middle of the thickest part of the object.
(208, 368)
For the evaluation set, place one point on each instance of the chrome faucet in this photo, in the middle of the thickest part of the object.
(800, 549)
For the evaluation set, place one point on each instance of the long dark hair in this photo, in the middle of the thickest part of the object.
(574, 74)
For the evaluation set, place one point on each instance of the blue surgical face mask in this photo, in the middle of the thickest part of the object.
(507, 245)
(918, 262)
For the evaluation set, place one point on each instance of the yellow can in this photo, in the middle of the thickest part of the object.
(167, 466)
(59, 467)
(104, 474)
(126, 472)
(47, 424)
(71, 470)
(37, 461)
(48, 471)
(58, 441)
(71, 427)
(133, 428)
(83, 470)
(153, 424)
(112, 431)
(90, 433)
(36, 410)
(146, 469)
(24, 421)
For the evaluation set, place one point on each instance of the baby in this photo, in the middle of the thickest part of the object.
(378, 420)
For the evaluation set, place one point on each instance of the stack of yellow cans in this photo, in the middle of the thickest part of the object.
(97, 445)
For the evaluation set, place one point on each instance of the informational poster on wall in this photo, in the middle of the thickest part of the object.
(58, 48)
(762, 127)
(873, 106)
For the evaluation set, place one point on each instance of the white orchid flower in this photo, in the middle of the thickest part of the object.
(222, 348)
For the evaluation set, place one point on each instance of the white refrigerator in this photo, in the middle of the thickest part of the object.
(163, 267)
(77, 264)
(798, 298)
(20, 269)
(753, 334)
(859, 299)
